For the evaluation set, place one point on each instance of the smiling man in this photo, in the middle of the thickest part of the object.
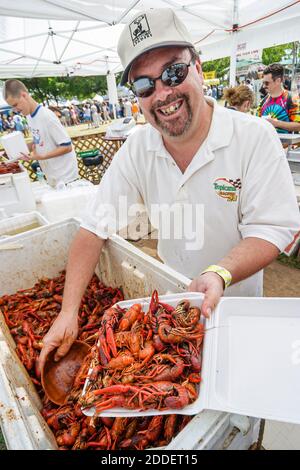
(51, 145)
(215, 182)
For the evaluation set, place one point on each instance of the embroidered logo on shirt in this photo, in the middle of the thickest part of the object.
(139, 29)
(227, 188)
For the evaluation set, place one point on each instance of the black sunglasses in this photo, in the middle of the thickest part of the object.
(172, 76)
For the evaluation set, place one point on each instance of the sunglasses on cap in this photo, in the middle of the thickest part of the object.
(171, 76)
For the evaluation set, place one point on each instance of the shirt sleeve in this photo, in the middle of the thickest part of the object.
(268, 203)
(294, 110)
(58, 132)
(118, 199)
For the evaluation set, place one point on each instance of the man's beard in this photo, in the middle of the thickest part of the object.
(178, 126)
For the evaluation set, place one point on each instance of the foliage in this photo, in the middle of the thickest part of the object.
(219, 65)
(46, 88)
(275, 53)
(291, 261)
(270, 55)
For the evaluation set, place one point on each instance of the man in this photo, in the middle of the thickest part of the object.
(225, 170)
(279, 107)
(51, 144)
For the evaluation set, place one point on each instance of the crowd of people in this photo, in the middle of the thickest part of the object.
(95, 113)
(10, 122)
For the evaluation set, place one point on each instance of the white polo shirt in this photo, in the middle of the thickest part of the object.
(238, 185)
(48, 134)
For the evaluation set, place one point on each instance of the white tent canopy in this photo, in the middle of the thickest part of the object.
(79, 37)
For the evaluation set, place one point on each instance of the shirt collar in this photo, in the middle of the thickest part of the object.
(36, 111)
(219, 135)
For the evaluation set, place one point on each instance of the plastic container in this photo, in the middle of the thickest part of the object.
(15, 193)
(43, 253)
(40, 175)
(66, 202)
(251, 350)
(14, 144)
(89, 153)
(21, 223)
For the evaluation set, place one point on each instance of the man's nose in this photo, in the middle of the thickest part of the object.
(162, 91)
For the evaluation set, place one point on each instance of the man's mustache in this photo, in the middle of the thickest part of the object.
(169, 101)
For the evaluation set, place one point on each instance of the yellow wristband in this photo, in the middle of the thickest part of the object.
(225, 275)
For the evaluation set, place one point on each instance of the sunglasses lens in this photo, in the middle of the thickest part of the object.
(171, 76)
(174, 75)
(143, 87)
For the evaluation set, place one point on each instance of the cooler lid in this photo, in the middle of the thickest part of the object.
(252, 358)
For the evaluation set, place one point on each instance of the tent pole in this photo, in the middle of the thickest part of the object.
(234, 39)
(112, 89)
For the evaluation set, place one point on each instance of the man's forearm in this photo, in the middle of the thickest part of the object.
(58, 152)
(248, 257)
(83, 257)
(288, 126)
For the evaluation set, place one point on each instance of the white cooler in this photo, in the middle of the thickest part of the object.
(43, 253)
(15, 193)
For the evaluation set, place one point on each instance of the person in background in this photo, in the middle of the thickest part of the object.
(1, 124)
(135, 110)
(18, 122)
(94, 115)
(51, 146)
(239, 98)
(25, 126)
(127, 108)
(287, 83)
(263, 92)
(99, 112)
(225, 170)
(74, 117)
(106, 115)
(279, 107)
(67, 114)
(249, 84)
(214, 92)
(87, 115)
(12, 124)
(5, 123)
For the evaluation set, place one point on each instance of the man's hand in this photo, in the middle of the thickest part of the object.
(32, 156)
(274, 122)
(212, 285)
(61, 335)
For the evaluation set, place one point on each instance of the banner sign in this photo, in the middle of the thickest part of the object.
(246, 57)
(209, 75)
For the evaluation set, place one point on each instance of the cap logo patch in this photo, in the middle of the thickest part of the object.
(139, 29)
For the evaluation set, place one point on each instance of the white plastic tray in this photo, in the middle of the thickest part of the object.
(196, 301)
(251, 358)
(20, 221)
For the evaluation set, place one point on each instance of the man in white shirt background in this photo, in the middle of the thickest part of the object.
(51, 146)
(225, 170)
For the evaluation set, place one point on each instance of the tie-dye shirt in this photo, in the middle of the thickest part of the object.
(283, 108)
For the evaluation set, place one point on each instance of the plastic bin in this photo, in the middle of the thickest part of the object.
(43, 253)
(69, 202)
(15, 193)
(21, 223)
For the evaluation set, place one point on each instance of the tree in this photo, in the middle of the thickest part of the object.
(219, 65)
(274, 54)
(46, 88)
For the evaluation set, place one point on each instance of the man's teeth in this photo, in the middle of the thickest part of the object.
(170, 110)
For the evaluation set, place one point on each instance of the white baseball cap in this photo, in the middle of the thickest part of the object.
(149, 30)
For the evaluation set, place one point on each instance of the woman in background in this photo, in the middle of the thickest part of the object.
(240, 98)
